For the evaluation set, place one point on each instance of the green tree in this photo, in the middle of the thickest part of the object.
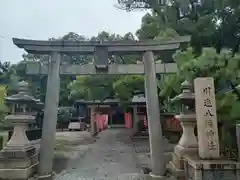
(208, 64)
(39, 82)
(125, 86)
(101, 87)
(92, 87)
(210, 23)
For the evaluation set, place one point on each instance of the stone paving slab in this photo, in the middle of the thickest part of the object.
(112, 157)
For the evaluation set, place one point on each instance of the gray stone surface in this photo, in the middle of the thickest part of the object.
(111, 157)
(141, 146)
(153, 116)
(50, 117)
(44, 47)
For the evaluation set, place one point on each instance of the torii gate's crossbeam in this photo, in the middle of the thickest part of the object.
(90, 69)
(89, 47)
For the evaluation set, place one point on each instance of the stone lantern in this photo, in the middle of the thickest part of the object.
(18, 159)
(187, 144)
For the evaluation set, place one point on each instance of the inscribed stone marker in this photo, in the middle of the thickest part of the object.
(207, 126)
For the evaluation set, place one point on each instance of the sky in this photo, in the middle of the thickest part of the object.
(43, 19)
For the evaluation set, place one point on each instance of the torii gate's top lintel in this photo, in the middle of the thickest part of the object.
(89, 47)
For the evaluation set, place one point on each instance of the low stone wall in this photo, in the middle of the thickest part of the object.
(197, 169)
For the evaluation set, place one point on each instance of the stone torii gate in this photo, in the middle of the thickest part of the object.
(102, 50)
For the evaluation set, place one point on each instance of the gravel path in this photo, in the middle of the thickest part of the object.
(112, 157)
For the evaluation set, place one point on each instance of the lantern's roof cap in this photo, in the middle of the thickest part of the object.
(23, 84)
(186, 94)
(186, 85)
(22, 95)
(22, 87)
(22, 98)
(139, 98)
(111, 100)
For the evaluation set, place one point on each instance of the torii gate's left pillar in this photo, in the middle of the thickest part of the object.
(50, 117)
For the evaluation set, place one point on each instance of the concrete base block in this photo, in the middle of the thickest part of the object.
(10, 152)
(176, 172)
(177, 161)
(198, 169)
(18, 174)
(18, 163)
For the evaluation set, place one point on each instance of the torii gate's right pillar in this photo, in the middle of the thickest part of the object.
(153, 113)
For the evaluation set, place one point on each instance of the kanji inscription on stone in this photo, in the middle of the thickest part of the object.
(219, 175)
(207, 102)
(208, 139)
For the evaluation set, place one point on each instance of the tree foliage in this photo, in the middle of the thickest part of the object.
(210, 22)
(222, 67)
(101, 87)
(125, 86)
(214, 26)
(92, 87)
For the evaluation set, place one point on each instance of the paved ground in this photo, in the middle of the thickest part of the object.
(141, 146)
(112, 157)
(70, 146)
(74, 137)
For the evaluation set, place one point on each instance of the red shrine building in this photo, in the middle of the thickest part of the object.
(118, 115)
(132, 114)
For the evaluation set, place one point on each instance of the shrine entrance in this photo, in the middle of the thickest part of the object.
(118, 117)
(111, 108)
(55, 62)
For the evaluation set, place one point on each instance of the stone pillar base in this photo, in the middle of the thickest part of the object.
(182, 150)
(46, 177)
(156, 177)
(179, 153)
(177, 161)
(197, 169)
(18, 174)
(20, 152)
(176, 172)
(17, 163)
(176, 166)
